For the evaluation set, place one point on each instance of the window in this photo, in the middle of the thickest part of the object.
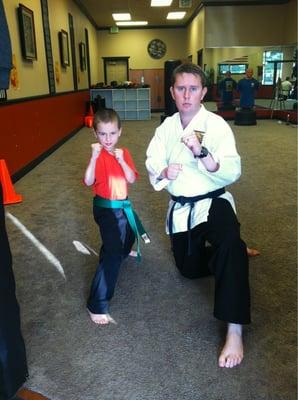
(268, 67)
(233, 68)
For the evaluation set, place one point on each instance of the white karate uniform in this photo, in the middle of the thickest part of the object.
(166, 148)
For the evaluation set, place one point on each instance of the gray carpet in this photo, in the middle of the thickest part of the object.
(165, 343)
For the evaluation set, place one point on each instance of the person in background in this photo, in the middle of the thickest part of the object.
(293, 94)
(247, 87)
(226, 88)
(286, 87)
(193, 156)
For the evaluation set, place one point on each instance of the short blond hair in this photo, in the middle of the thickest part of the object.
(189, 68)
(106, 115)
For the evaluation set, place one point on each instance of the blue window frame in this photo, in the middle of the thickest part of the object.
(233, 68)
(268, 67)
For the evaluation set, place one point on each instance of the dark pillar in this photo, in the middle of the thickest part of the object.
(170, 107)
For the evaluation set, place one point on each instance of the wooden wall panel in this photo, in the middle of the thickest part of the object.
(155, 79)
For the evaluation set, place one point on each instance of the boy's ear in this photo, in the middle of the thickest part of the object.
(120, 131)
(172, 92)
(204, 91)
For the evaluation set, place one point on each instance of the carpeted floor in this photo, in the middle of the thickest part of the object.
(165, 343)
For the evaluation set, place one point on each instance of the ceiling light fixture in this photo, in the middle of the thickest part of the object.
(121, 17)
(161, 3)
(131, 23)
(176, 15)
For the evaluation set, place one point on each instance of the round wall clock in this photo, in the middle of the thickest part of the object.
(156, 48)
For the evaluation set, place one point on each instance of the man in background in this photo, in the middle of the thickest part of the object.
(286, 87)
(226, 88)
(247, 87)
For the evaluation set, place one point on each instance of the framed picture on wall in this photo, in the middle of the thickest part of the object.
(64, 48)
(27, 32)
(82, 51)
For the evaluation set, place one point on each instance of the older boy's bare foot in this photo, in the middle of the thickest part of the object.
(99, 319)
(133, 253)
(232, 352)
(252, 252)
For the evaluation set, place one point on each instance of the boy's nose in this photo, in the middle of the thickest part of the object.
(186, 93)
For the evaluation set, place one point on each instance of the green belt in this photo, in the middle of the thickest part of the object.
(133, 219)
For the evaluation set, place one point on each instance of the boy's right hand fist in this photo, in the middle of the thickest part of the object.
(96, 149)
(172, 171)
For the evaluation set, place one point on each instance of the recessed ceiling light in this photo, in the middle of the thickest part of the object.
(121, 17)
(161, 3)
(176, 15)
(131, 23)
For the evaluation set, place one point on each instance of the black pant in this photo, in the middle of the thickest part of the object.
(13, 362)
(227, 261)
(117, 241)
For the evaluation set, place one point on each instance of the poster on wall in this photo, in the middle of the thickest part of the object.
(64, 48)
(27, 33)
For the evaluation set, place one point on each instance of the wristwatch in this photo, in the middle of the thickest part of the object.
(204, 153)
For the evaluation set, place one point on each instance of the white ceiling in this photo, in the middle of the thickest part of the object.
(100, 11)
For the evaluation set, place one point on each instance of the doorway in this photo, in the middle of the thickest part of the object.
(200, 58)
(115, 70)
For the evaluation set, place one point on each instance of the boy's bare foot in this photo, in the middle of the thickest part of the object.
(232, 352)
(99, 319)
(252, 252)
(133, 253)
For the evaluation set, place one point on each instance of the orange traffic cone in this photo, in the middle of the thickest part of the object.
(91, 112)
(9, 194)
(89, 117)
(88, 121)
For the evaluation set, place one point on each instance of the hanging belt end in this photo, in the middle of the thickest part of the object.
(146, 238)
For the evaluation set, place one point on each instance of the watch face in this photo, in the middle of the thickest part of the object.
(157, 48)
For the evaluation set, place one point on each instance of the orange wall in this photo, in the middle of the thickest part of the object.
(30, 128)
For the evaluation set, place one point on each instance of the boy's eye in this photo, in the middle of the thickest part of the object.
(192, 89)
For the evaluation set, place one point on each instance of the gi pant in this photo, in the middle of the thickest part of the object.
(117, 241)
(13, 363)
(227, 260)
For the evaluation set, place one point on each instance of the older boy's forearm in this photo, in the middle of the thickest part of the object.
(210, 164)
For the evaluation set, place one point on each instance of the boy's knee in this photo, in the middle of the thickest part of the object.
(193, 271)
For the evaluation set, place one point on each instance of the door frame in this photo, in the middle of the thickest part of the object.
(106, 60)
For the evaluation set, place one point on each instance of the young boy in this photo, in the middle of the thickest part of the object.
(108, 172)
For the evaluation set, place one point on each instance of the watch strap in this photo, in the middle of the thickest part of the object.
(204, 153)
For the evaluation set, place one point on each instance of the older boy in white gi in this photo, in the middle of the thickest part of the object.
(193, 155)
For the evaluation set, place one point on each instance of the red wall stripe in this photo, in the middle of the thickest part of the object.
(30, 128)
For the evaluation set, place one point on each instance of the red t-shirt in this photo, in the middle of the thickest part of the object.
(110, 182)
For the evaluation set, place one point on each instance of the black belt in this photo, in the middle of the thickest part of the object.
(190, 200)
